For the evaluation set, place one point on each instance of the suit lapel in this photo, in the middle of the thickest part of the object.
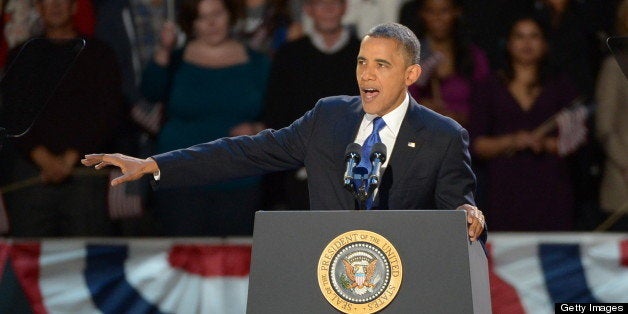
(407, 146)
(409, 140)
(345, 131)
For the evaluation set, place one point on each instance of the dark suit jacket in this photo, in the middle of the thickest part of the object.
(434, 174)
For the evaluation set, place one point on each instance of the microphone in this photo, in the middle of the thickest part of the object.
(352, 158)
(378, 157)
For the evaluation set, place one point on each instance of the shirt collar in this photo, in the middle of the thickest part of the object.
(394, 118)
(319, 42)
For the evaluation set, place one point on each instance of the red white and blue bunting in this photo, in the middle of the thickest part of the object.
(528, 273)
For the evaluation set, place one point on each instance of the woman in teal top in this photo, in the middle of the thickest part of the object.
(213, 88)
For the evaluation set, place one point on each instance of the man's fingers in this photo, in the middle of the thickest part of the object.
(477, 225)
(113, 159)
(122, 179)
(126, 177)
(471, 211)
(131, 167)
(102, 160)
(475, 229)
(92, 159)
(475, 219)
(102, 165)
(472, 227)
(89, 162)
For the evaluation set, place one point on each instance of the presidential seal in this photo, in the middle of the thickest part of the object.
(359, 272)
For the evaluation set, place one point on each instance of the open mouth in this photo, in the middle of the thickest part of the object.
(370, 93)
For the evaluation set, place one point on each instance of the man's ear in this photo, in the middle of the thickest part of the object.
(412, 74)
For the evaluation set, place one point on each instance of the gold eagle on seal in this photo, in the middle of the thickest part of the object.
(359, 274)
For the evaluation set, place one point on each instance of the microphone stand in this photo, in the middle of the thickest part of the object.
(360, 194)
(369, 181)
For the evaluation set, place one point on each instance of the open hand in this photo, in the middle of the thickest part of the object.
(132, 168)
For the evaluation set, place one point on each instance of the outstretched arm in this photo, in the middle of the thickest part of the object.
(226, 158)
(132, 168)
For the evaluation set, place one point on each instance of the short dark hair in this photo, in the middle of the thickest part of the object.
(403, 35)
(188, 12)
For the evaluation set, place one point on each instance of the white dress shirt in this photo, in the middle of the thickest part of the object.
(389, 133)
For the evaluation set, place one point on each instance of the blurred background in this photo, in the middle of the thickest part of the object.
(533, 81)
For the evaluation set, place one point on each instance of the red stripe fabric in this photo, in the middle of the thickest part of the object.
(25, 262)
(4, 255)
(504, 298)
(623, 248)
(212, 260)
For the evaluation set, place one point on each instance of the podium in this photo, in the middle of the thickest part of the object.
(392, 261)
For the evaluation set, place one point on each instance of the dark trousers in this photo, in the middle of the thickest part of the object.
(76, 207)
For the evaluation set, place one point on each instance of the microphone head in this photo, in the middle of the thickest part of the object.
(378, 151)
(353, 151)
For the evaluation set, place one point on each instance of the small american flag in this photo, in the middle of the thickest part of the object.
(148, 115)
(572, 129)
(571, 125)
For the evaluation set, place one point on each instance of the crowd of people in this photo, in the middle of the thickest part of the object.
(158, 75)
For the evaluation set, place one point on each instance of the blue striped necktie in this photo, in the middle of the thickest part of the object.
(365, 160)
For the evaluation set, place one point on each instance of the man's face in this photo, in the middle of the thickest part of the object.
(383, 74)
(56, 13)
(326, 14)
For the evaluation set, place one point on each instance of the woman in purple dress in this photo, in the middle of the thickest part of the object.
(529, 187)
(450, 63)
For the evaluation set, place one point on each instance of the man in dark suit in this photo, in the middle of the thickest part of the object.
(429, 164)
